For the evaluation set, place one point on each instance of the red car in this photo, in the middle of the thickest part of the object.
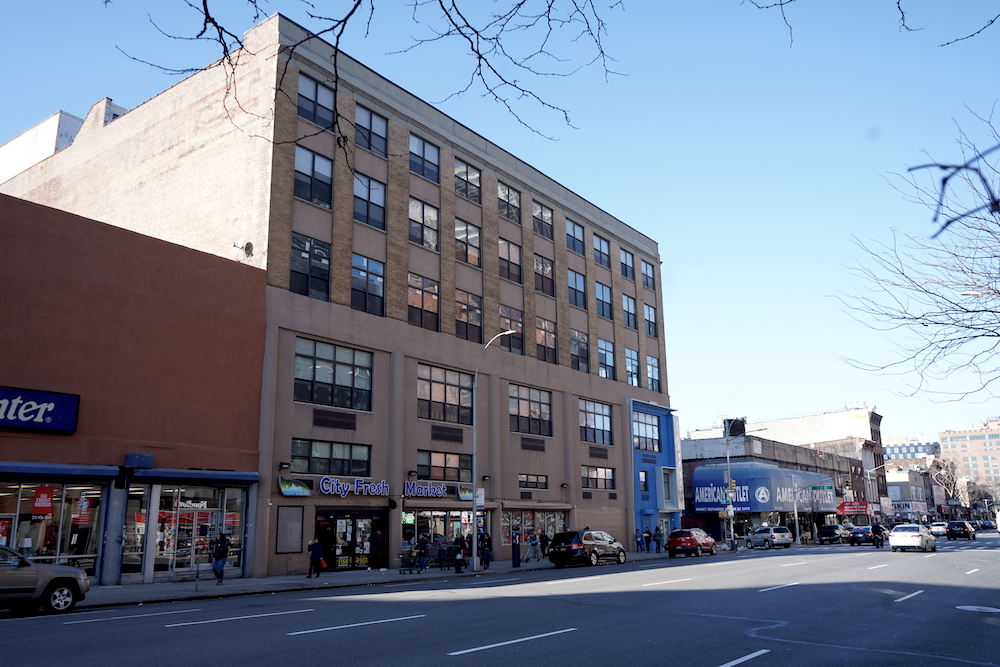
(690, 541)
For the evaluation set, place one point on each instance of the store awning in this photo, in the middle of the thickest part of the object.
(205, 476)
(454, 504)
(44, 471)
(761, 487)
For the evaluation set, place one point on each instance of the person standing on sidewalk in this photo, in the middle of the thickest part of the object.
(638, 541)
(220, 554)
(658, 538)
(533, 547)
(647, 537)
(315, 557)
(375, 557)
(515, 546)
(543, 543)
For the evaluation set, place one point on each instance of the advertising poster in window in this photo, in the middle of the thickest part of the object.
(41, 508)
(5, 525)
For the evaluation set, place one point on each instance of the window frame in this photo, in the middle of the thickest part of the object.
(425, 161)
(574, 242)
(542, 218)
(463, 243)
(367, 186)
(606, 359)
(452, 388)
(317, 255)
(604, 308)
(602, 251)
(360, 466)
(579, 350)
(508, 202)
(651, 325)
(512, 318)
(529, 481)
(426, 467)
(632, 367)
(372, 298)
(597, 477)
(627, 264)
(313, 186)
(468, 316)
(577, 285)
(340, 362)
(464, 186)
(645, 431)
(595, 422)
(510, 260)
(425, 224)
(319, 92)
(428, 292)
(545, 281)
(529, 410)
(545, 340)
(653, 373)
(648, 277)
(628, 312)
(366, 136)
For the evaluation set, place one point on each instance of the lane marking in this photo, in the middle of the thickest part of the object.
(672, 581)
(118, 618)
(878, 566)
(512, 641)
(930, 555)
(746, 657)
(725, 562)
(564, 581)
(356, 625)
(971, 571)
(238, 618)
(774, 588)
(790, 564)
(495, 581)
(907, 597)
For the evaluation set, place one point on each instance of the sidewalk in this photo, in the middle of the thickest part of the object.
(173, 591)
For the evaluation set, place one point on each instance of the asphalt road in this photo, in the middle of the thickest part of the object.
(815, 606)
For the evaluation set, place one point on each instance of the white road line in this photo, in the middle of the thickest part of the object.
(746, 657)
(971, 571)
(672, 581)
(878, 566)
(799, 563)
(494, 581)
(907, 597)
(774, 588)
(238, 618)
(565, 581)
(930, 555)
(512, 641)
(725, 562)
(356, 625)
(118, 618)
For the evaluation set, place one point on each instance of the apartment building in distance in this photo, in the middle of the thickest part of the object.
(910, 447)
(975, 451)
(396, 245)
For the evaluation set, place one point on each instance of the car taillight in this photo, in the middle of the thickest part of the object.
(577, 545)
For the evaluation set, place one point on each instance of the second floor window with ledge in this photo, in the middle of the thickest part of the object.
(597, 478)
(510, 261)
(422, 302)
(530, 410)
(313, 177)
(334, 375)
(509, 203)
(467, 242)
(369, 201)
(424, 159)
(444, 395)
(595, 422)
(541, 217)
(467, 182)
(645, 431)
(423, 224)
(370, 131)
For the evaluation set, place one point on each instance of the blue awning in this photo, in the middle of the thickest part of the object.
(761, 487)
(53, 470)
(178, 475)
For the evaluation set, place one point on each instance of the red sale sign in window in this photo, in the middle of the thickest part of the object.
(42, 507)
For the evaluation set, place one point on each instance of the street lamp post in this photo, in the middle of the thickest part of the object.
(475, 481)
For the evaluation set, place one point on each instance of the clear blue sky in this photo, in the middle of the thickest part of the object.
(751, 162)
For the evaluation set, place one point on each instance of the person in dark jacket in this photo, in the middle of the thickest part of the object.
(220, 554)
(459, 547)
(315, 556)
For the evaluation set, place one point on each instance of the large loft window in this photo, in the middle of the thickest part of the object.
(444, 395)
(334, 375)
(367, 285)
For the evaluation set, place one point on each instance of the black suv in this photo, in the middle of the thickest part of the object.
(957, 529)
(832, 533)
(584, 546)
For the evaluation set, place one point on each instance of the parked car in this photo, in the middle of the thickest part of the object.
(770, 536)
(957, 529)
(861, 535)
(584, 546)
(832, 533)
(691, 542)
(912, 536)
(25, 583)
(989, 525)
(939, 528)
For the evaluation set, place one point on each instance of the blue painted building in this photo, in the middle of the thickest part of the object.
(656, 470)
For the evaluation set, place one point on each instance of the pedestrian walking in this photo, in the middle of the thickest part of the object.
(459, 547)
(515, 546)
(638, 540)
(543, 543)
(421, 553)
(647, 537)
(375, 557)
(315, 557)
(220, 554)
(534, 551)
(485, 548)
(658, 538)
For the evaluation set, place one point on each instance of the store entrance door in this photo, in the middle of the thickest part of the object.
(346, 537)
(196, 532)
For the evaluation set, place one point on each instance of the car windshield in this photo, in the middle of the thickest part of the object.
(563, 538)
(678, 533)
(906, 529)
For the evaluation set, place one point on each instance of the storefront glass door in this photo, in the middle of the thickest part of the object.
(346, 538)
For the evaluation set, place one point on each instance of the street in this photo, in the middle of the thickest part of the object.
(815, 605)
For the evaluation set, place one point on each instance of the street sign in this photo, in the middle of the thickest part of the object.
(954, 501)
(823, 487)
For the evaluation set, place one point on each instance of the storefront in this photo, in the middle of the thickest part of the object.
(550, 519)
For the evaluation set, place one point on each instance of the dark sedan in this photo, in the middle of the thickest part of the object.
(861, 535)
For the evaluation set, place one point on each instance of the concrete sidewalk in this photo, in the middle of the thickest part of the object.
(134, 594)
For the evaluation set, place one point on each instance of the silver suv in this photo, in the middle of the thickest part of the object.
(25, 583)
(770, 536)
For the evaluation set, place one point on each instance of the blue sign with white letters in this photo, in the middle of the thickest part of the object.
(38, 410)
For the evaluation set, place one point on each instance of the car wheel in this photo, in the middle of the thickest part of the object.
(593, 558)
(621, 557)
(672, 554)
(559, 564)
(767, 544)
(59, 598)
(934, 548)
(713, 551)
(788, 546)
(749, 544)
(973, 537)
(697, 551)
(925, 547)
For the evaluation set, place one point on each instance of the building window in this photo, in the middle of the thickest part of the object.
(597, 478)
(648, 276)
(466, 242)
(370, 131)
(468, 316)
(602, 251)
(643, 482)
(424, 159)
(331, 458)
(512, 318)
(603, 295)
(467, 181)
(650, 314)
(595, 422)
(545, 340)
(423, 224)
(628, 265)
(369, 201)
(652, 373)
(422, 302)
(315, 102)
(310, 267)
(510, 261)
(628, 308)
(632, 367)
(509, 203)
(645, 431)
(544, 282)
(313, 177)
(606, 359)
(367, 285)
(444, 395)
(443, 467)
(332, 375)
(541, 217)
(579, 351)
(530, 410)
(577, 289)
(533, 481)
(574, 237)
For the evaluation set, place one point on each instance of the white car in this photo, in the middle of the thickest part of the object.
(770, 536)
(939, 529)
(911, 536)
